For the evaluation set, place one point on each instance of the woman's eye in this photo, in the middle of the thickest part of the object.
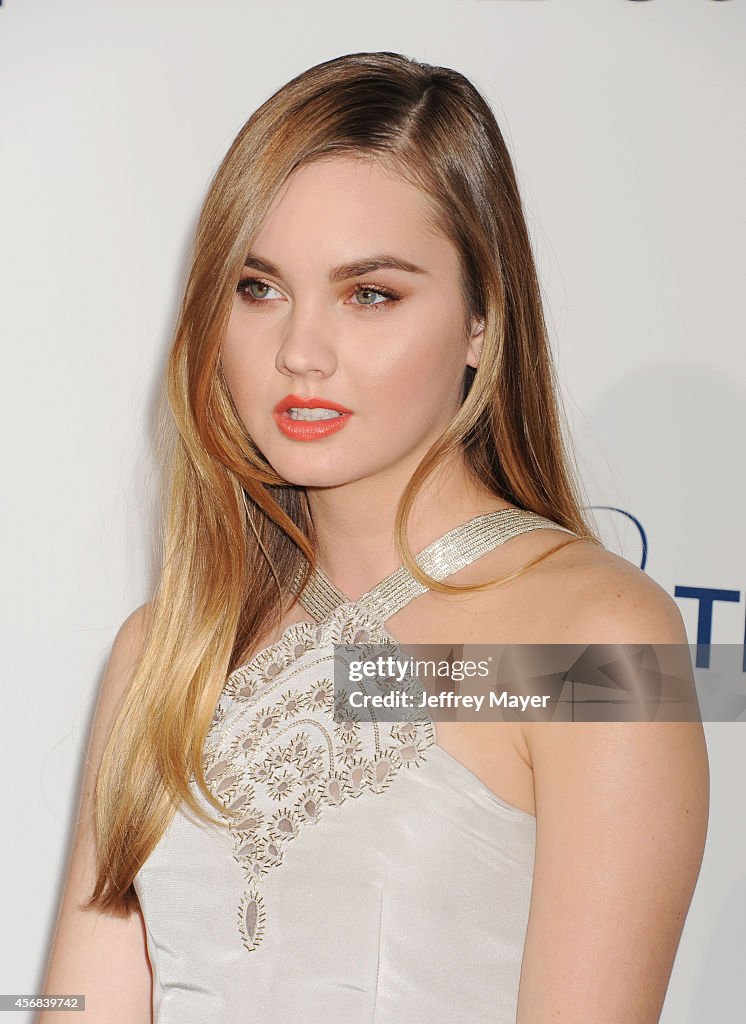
(253, 289)
(367, 295)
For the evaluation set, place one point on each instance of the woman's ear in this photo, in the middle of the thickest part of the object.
(476, 337)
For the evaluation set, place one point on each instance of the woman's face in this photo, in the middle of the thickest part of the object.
(320, 314)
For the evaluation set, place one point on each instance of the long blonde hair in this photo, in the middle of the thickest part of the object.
(233, 532)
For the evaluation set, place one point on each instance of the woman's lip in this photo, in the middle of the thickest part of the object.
(309, 430)
(296, 402)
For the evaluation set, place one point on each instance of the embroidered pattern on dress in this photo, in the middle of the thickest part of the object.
(276, 754)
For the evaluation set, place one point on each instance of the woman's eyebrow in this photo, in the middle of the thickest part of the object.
(356, 268)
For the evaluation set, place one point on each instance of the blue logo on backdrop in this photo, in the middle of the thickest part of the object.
(638, 526)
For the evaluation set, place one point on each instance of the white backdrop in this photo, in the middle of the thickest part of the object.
(625, 121)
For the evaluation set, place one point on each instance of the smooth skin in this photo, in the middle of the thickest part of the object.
(621, 808)
(397, 363)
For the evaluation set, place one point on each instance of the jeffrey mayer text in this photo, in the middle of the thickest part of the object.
(445, 699)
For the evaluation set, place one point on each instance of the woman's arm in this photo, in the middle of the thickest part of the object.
(621, 811)
(94, 954)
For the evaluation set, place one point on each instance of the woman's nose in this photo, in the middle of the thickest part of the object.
(306, 342)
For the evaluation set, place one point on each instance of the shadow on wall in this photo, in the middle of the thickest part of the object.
(716, 983)
(670, 433)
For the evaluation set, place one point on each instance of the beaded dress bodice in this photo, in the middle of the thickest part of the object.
(366, 875)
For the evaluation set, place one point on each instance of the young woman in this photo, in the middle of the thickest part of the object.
(361, 375)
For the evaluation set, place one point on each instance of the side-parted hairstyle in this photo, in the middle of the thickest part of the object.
(233, 532)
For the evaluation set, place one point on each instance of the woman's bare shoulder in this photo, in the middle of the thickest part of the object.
(607, 599)
(591, 596)
(586, 595)
(580, 592)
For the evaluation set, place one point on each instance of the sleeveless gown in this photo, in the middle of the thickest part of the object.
(371, 878)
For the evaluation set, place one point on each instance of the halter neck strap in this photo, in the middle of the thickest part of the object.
(444, 556)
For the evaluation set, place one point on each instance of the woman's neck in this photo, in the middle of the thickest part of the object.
(354, 522)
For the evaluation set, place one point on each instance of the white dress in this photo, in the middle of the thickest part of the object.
(371, 877)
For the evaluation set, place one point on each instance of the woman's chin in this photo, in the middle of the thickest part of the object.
(302, 473)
